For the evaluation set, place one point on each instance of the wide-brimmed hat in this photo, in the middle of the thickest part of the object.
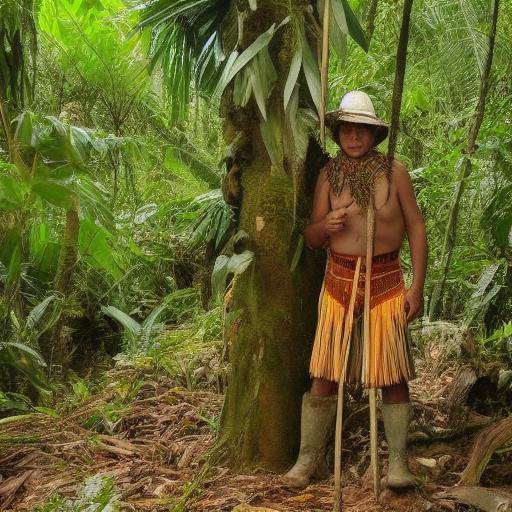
(356, 107)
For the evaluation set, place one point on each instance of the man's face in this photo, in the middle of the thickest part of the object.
(356, 139)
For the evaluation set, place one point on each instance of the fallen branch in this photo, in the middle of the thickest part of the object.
(489, 500)
(459, 390)
(495, 437)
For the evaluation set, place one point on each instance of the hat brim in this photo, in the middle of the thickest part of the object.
(335, 117)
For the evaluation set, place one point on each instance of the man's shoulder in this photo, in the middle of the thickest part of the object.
(329, 165)
(398, 166)
(399, 170)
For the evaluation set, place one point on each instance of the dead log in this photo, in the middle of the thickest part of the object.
(489, 500)
(460, 388)
(487, 442)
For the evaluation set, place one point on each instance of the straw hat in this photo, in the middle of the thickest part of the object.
(356, 107)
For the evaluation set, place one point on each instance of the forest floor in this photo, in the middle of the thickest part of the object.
(153, 445)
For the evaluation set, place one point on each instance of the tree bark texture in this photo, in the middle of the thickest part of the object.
(271, 344)
(57, 349)
(465, 171)
(370, 20)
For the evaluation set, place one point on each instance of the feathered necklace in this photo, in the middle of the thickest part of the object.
(359, 175)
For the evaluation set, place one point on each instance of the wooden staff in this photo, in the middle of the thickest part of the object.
(347, 331)
(370, 233)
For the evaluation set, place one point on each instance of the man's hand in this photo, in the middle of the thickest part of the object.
(335, 220)
(413, 303)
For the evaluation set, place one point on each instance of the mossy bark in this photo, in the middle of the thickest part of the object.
(59, 337)
(270, 344)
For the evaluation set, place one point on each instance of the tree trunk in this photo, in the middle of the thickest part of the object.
(58, 342)
(465, 171)
(270, 347)
(401, 61)
(370, 20)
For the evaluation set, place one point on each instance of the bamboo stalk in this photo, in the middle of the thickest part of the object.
(401, 60)
(324, 68)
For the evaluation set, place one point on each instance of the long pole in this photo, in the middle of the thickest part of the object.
(347, 331)
(324, 68)
(401, 60)
(374, 455)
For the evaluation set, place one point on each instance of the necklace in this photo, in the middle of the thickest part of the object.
(358, 175)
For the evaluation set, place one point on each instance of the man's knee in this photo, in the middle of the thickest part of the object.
(323, 387)
(396, 394)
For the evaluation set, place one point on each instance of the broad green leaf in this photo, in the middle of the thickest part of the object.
(242, 88)
(144, 213)
(223, 81)
(95, 247)
(131, 325)
(338, 28)
(262, 75)
(226, 265)
(12, 193)
(338, 16)
(272, 137)
(297, 254)
(14, 269)
(38, 311)
(149, 324)
(26, 350)
(354, 27)
(48, 411)
(237, 62)
(293, 74)
(23, 131)
(485, 280)
(312, 73)
(55, 194)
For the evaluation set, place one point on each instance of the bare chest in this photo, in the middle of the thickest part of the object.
(385, 200)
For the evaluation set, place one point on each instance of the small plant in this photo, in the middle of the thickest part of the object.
(138, 336)
(499, 343)
(98, 495)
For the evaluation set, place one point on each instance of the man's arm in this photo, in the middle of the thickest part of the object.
(322, 221)
(416, 233)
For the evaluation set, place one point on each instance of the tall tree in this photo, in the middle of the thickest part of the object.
(370, 19)
(18, 47)
(465, 169)
(261, 55)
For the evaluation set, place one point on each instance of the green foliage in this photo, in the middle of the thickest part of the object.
(139, 337)
(213, 220)
(98, 494)
(230, 263)
(93, 41)
(26, 361)
(185, 39)
(20, 337)
(498, 346)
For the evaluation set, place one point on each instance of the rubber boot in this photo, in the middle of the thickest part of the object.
(317, 421)
(396, 425)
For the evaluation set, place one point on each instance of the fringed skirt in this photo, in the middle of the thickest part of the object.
(387, 358)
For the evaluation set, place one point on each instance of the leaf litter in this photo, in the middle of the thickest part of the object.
(156, 453)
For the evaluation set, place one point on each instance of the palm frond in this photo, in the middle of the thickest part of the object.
(186, 42)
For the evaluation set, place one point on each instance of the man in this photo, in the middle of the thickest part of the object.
(360, 177)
